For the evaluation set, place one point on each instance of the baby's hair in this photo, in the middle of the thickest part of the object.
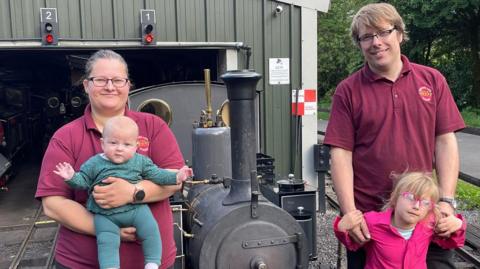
(419, 183)
(120, 123)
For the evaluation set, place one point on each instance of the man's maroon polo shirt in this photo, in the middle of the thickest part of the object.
(390, 126)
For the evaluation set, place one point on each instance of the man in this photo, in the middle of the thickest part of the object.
(389, 117)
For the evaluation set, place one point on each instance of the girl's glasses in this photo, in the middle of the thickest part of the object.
(425, 203)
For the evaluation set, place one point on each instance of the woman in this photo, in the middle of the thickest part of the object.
(107, 85)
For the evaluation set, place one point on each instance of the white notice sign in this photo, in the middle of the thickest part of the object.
(279, 71)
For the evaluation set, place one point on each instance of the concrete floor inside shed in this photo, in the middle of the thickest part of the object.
(17, 203)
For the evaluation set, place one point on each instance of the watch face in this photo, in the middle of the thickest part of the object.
(139, 195)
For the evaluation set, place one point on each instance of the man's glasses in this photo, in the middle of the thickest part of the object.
(425, 203)
(380, 35)
(102, 82)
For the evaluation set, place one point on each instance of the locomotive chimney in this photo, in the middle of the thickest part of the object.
(241, 85)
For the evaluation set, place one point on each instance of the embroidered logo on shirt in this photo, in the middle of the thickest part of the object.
(425, 93)
(143, 143)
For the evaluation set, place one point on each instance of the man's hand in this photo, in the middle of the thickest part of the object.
(448, 224)
(65, 170)
(360, 233)
(350, 220)
(445, 209)
(118, 192)
(128, 234)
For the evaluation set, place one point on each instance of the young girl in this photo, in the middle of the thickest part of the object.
(400, 235)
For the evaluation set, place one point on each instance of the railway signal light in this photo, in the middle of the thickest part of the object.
(49, 26)
(147, 34)
(147, 20)
(48, 33)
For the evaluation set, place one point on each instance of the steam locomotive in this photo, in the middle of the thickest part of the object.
(228, 222)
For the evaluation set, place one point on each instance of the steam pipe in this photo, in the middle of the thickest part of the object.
(208, 96)
(208, 91)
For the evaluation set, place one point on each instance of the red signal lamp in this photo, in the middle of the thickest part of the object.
(148, 38)
(49, 38)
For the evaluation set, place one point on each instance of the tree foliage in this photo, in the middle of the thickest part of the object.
(337, 55)
(443, 34)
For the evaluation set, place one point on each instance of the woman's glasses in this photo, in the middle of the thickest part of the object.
(102, 82)
(425, 203)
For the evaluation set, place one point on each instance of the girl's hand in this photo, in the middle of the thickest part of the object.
(448, 225)
(350, 220)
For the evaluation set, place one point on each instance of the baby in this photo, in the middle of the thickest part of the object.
(119, 159)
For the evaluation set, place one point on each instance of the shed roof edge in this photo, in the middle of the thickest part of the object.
(319, 5)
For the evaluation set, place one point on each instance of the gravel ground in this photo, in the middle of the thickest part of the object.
(327, 244)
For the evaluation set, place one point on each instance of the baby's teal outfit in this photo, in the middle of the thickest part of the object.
(109, 221)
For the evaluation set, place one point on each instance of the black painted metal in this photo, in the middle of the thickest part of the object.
(241, 85)
(470, 179)
(224, 220)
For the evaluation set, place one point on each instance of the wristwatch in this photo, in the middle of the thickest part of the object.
(138, 194)
(450, 201)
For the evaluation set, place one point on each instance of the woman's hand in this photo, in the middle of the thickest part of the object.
(117, 193)
(128, 234)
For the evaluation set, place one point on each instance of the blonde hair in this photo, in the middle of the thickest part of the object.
(120, 123)
(418, 183)
(373, 15)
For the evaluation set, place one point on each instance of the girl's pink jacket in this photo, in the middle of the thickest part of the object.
(388, 249)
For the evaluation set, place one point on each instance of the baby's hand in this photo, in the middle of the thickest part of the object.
(65, 170)
(350, 220)
(183, 174)
(448, 225)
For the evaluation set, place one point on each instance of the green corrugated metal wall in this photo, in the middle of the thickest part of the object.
(250, 21)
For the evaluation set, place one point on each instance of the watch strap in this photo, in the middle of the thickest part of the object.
(450, 201)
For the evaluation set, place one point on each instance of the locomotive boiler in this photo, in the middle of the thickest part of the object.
(232, 224)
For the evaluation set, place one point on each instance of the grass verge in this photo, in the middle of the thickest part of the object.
(471, 116)
(468, 196)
